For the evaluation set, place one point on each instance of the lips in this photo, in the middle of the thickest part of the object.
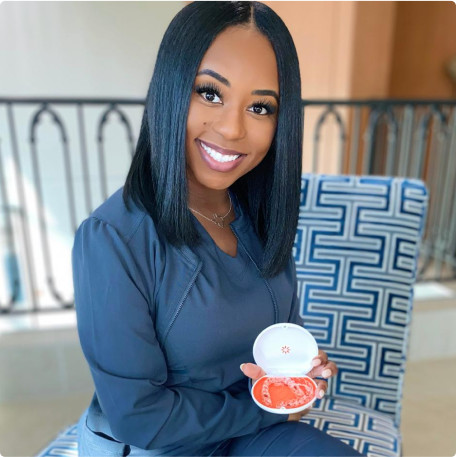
(219, 166)
(229, 152)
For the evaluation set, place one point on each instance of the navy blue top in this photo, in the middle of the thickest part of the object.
(164, 329)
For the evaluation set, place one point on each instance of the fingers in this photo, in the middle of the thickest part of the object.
(322, 387)
(306, 411)
(325, 371)
(252, 371)
(321, 358)
(322, 366)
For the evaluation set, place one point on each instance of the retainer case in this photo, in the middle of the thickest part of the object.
(285, 352)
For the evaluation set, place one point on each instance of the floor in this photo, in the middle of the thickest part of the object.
(429, 409)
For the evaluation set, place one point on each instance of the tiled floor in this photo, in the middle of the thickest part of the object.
(26, 428)
(428, 418)
(429, 408)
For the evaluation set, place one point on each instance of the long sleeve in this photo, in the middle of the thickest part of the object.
(129, 370)
(295, 318)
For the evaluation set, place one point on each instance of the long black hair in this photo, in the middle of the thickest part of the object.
(157, 180)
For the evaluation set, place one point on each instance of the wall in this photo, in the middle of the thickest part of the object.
(425, 39)
(323, 33)
(99, 49)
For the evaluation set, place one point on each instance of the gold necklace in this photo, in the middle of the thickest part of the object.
(216, 219)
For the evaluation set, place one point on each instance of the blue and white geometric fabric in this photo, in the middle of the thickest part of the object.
(370, 432)
(65, 445)
(356, 252)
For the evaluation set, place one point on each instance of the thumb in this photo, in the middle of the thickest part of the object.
(252, 371)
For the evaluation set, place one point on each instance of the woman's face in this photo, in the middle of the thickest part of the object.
(234, 106)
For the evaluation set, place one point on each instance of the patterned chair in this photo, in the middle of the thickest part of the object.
(356, 252)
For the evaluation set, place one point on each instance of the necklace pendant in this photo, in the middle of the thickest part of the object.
(219, 220)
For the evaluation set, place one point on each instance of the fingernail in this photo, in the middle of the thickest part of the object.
(242, 364)
(326, 373)
(316, 362)
(322, 393)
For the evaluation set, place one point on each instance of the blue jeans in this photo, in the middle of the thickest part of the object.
(283, 439)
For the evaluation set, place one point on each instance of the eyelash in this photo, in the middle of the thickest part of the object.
(212, 88)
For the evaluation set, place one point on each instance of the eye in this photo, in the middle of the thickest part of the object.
(210, 90)
(264, 105)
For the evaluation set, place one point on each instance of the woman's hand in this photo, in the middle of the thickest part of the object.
(322, 367)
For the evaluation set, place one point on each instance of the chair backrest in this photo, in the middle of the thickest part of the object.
(356, 253)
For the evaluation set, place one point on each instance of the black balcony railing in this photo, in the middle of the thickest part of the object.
(60, 158)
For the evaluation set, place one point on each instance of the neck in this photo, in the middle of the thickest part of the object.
(209, 200)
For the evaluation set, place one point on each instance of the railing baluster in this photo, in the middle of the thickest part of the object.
(330, 110)
(450, 248)
(44, 236)
(355, 140)
(405, 141)
(11, 250)
(443, 193)
(29, 260)
(369, 142)
(101, 155)
(391, 142)
(84, 160)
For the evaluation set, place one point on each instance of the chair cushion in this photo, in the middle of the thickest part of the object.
(370, 432)
(65, 444)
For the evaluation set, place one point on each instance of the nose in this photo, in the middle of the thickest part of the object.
(230, 123)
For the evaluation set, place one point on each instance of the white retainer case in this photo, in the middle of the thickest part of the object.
(285, 352)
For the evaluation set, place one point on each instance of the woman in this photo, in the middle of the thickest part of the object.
(176, 274)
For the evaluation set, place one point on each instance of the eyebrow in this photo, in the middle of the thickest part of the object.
(224, 81)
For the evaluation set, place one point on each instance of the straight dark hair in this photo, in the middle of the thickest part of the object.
(157, 180)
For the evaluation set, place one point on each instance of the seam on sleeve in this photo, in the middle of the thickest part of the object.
(126, 238)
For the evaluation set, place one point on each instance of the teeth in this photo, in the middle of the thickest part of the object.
(217, 156)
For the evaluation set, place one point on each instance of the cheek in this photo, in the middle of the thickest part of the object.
(192, 118)
(193, 128)
(262, 140)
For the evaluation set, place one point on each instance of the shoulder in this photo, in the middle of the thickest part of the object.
(114, 213)
(114, 224)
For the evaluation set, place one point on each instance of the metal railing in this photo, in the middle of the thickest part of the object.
(60, 158)
(408, 138)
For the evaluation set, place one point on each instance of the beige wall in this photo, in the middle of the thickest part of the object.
(368, 50)
(372, 49)
(425, 39)
(324, 33)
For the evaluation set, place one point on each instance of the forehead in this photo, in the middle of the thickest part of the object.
(243, 56)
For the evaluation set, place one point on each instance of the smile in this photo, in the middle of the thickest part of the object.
(217, 156)
(218, 161)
